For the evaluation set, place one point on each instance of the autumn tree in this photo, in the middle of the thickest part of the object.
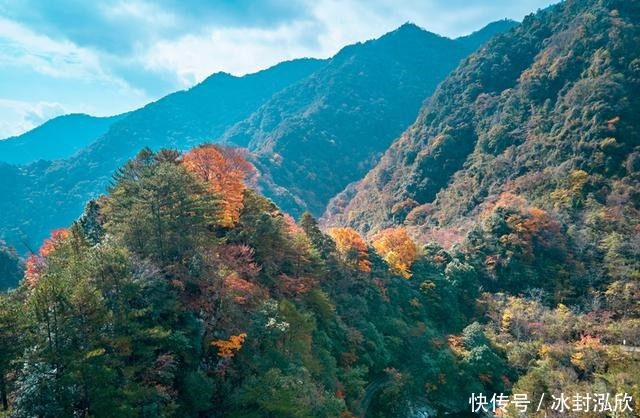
(396, 248)
(158, 209)
(36, 263)
(352, 248)
(228, 348)
(224, 170)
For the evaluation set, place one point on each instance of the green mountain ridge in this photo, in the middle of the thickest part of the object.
(55, 139)
(552, 99)
(315, 137)
(358, 92)
(51, 194)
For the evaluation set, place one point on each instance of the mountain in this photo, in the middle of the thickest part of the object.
(546, 113)
(167, 309)
(315, 137)
(525, 166)
(182, 292)
(46, 195)
(55, 139)
(312, 127)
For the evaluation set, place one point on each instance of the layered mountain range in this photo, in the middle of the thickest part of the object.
(312, 127)
(493, 249)
(55, 139)
(546, 112)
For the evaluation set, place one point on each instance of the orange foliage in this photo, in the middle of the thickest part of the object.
(398, 249)
(227, 348)
(50, 245)
(536, 223)
(36, 264)
(225, 171)
(456, 344)
(238, 258)
(352, 247)
(295, 286)
(292, 227)
(587, 341)
(34, 269)
(241, 291)
(505, 200)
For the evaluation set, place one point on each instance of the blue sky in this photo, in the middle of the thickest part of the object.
(110, 56)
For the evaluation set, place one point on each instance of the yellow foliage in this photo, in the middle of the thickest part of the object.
(352, 248)
(227, 348)
(396, 247)
(577, 180)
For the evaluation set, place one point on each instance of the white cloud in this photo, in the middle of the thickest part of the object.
(235, 50)
(328, 26)
(22, 47)
(19, 116)
(142, 46)
(33, 60)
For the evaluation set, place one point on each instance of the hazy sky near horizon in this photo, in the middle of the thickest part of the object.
(110, 56)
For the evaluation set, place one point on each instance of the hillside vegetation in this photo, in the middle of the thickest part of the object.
(296, 118)
(533, 141)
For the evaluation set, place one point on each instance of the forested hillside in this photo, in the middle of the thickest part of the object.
(526, 160)
(296, 116)
(312, 139)
(181, 293)
(50, 194)
(543, 119)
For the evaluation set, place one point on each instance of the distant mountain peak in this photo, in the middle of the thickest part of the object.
(314, 125)
(410, 26)
(410, 30)
(535, 106)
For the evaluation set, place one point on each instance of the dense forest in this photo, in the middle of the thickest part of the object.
(495, 249)
(315, 137)
(183, 293)
(295, 117)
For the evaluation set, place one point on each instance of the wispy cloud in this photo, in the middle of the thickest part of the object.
(124, 52)
(23, 116)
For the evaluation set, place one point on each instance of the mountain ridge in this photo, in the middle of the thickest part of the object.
(550, 100)
(69, 183)
(56, 138)
(313, 138)
(373, 89)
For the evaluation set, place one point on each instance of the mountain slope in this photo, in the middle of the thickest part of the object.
(47, 195)
(315, 137)
(55, 139)
(545, 113)
(351, 106)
